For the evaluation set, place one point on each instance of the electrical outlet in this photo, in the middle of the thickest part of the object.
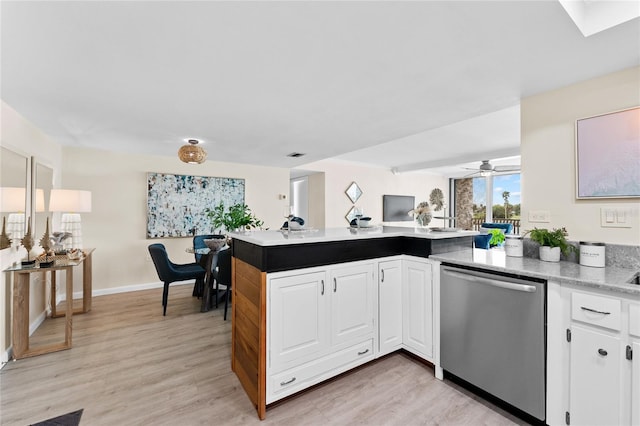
(540, 216)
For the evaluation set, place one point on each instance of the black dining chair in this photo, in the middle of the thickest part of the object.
(170, 272)
(198, 243)
(222, 276)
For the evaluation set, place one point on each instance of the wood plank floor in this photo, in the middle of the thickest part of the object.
(129, 365)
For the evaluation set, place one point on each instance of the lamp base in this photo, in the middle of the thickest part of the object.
(28, 263)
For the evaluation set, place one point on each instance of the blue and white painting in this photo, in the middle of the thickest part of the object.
(176, 204)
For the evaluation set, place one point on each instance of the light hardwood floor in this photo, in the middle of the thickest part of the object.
(129, 365)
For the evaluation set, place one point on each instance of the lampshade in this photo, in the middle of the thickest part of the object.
(12, 199)
(40, 201)
(70, 200)
(192, 153)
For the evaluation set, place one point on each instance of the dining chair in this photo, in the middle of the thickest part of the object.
(198, 243)
(170, 272)
(222, 276)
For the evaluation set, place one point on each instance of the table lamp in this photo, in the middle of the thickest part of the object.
(12, 201)
(71, 202)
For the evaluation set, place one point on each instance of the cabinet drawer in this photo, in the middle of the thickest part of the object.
(634, 320)
(298, 378)
(597, 310)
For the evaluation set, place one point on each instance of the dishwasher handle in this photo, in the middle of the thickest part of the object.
(492, 282)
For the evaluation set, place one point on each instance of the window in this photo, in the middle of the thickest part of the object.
(493, 198)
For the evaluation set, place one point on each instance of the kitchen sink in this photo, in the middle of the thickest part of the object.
(635, 279)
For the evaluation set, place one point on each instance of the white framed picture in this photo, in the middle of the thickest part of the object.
(608, 155)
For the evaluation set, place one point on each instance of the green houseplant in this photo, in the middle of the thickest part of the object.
(497, 237)
(552, 243)
(238, 216)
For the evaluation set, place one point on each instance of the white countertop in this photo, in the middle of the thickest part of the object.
(609, 278)
(277, 238)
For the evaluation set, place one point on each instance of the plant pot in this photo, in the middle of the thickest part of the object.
(549, 254)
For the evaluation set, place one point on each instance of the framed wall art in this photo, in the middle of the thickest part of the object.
(608, 154)
(176, 204)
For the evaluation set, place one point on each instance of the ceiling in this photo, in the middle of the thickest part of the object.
(400, 85)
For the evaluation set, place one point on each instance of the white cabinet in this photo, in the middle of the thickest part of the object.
(417, 308)
(389, 306)
(320, 323)
(635, 383)
(351, 302)
(604, 372)
(298, 318)
(594, 377)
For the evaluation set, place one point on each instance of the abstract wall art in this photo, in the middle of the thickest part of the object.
(176, 204)
(608, 154)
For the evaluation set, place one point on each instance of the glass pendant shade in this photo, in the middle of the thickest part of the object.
(192, 153)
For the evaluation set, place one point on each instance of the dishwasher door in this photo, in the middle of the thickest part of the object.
(493, 335)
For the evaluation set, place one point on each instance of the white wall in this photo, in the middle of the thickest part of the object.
(548, 156)
(20, 136)
(374, 183)
(116, 226)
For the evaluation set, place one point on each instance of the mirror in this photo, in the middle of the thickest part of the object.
(353, 192)
(43, 182)
(13, 193)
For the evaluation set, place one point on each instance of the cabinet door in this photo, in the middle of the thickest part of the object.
(594, 382)
(297, 317)
(635, 384)
(389, 306)
(417, 305)
(351, 302)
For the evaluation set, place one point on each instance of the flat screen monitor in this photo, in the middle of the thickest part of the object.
(396, 208)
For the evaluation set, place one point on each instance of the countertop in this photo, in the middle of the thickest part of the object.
(608, 278)
(276, 238)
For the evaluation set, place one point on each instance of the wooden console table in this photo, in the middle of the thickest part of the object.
(21, 287)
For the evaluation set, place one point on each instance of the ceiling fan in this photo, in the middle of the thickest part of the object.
(487, 169)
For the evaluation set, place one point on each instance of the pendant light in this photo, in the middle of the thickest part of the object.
(192, 153)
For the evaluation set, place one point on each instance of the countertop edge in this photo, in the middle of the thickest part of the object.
(620, 286)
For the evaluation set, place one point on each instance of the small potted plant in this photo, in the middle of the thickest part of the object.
(238, 217)
(552, 243)
(497, 237)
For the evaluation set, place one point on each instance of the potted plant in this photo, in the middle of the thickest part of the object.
(497, 237)
(237, 217)
(552, 243)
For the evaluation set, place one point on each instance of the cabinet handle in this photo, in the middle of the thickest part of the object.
(288, 382)
(335, 285)
(382, 279)
(602, 352)
(593, 310)
(322, 291)
(364, 352)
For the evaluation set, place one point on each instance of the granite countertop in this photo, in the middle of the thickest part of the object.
(608, 278)
(305, 236)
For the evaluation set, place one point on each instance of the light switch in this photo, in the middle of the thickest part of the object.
(609, 215)
(615, 217)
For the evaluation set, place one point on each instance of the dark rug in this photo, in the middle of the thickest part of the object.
(69, 419)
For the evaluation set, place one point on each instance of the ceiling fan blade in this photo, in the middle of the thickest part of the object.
(512, 168)
(477, 172)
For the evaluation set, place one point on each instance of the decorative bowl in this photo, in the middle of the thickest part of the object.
(215, 244)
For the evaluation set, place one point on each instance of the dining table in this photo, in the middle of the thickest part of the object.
(209, 261)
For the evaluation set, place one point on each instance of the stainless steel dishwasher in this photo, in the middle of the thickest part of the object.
(493, 335)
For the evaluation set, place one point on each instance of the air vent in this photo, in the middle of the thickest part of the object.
(295, 154)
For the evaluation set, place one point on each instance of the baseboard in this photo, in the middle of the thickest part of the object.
(6, 356)
(37, 322)
(129, 288)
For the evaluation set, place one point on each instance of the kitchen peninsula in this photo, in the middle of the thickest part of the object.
(309, 305)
